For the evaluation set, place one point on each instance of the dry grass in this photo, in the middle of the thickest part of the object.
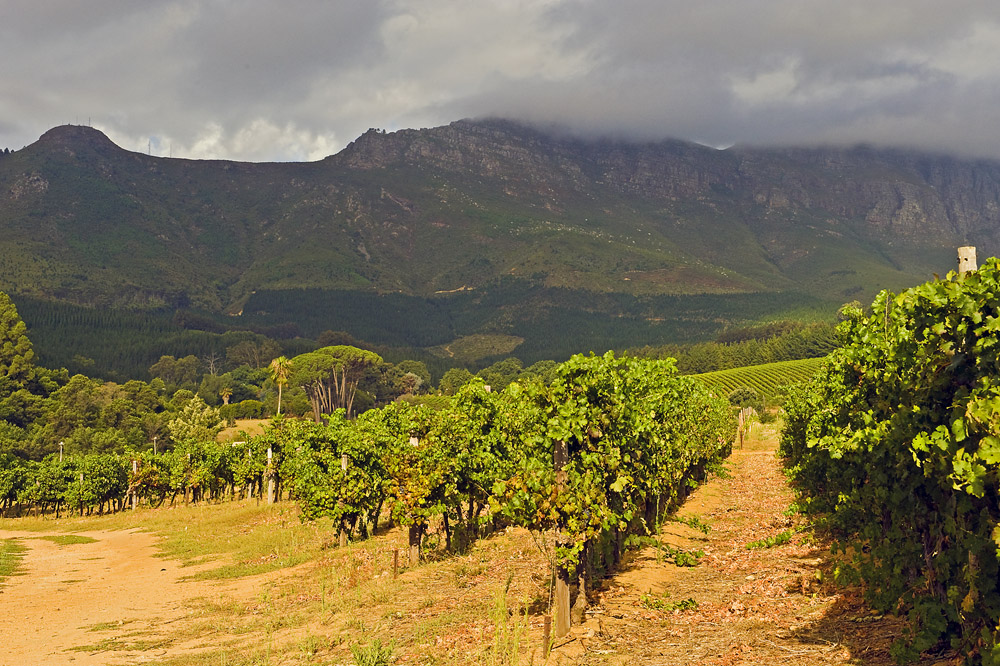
(441, 612)
(252, 427)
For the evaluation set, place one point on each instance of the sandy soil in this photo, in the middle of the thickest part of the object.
(86, 603)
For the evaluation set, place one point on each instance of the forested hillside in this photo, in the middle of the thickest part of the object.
(420, 238)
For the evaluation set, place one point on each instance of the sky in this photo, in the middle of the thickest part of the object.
(262, 80)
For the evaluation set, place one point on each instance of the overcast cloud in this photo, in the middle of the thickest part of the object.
(262, 80)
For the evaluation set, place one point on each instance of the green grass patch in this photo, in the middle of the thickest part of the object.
(67, 539)
(770, 542)
(373, 654)
(123, 644)
(662, 603)
(472, 348)
(679, 556)
(11, 554)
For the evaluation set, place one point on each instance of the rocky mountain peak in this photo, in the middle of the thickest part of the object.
(75, 136)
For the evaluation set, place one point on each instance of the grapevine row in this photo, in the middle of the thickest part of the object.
(897, 442)
(601, 452)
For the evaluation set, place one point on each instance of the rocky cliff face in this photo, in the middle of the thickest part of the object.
(881, 194)
(435, 210)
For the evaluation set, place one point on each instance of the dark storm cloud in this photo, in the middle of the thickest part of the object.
(262, 80)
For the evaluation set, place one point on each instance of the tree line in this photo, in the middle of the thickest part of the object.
(43, 411)
(740, 347)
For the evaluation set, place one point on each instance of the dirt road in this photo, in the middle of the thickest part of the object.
(81, 603)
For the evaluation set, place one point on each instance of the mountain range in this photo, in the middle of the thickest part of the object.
(543, 243)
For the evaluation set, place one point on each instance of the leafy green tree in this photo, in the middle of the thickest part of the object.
(180, 399)
(334, 338)
(20, 392)
(252, 353)
(89, 415)
(246, 383)
(409, 383)
(745, 396)
(71, 412)
(210, 389)
(12, 438)
(17, 357)
(330, 376)
(19, 406)
(501, 373)
(546, 371)
(196, 422)
(247, 409)
(177, 372)
(453, 380)
(418, 368)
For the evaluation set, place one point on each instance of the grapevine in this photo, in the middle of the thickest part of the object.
(898, 441)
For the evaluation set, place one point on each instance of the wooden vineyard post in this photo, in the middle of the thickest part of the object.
(395, 563)
(967, 260)
(135, 492)
(249, 487)
(739, 425)
(270, 476)
(415, 544)
(560, 456)
(546, 636)
(343, 528)
(416, 531)
(579, 612)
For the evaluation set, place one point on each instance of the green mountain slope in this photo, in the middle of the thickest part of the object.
(419, 237)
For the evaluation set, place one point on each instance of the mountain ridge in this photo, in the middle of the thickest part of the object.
(505, 222)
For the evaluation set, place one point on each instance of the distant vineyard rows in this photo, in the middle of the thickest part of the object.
(769, 380)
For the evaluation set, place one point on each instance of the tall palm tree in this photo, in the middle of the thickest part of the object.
(280, 368)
